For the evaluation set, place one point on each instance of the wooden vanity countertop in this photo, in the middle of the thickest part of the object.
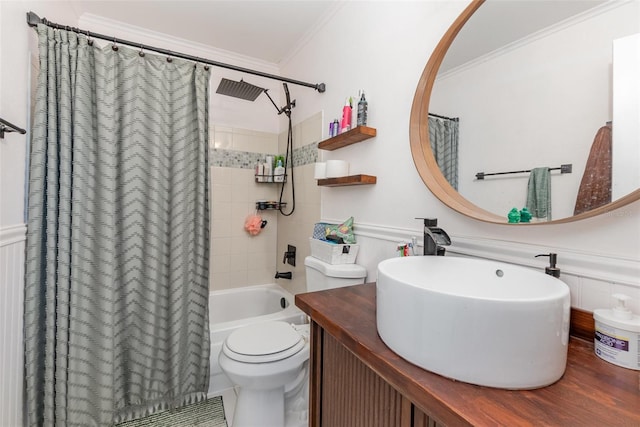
(592, 392)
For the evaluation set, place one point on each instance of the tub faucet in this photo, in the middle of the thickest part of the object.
(283, 275)
(434, 238)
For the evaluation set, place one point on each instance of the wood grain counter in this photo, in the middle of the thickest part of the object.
(592, 392)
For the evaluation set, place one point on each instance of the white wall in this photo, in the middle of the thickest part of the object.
(626, 115)
(382, 47)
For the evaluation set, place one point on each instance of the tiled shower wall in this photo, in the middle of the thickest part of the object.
(237, 258)
(297, 228)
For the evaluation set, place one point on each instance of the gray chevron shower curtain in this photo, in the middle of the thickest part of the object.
(443, 135)
(116, 292)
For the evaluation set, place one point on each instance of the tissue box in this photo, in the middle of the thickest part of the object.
(332, 253)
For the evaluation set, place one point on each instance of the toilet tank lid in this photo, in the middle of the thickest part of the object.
(343, 271)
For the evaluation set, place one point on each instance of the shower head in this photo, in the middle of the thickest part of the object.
(241, 89)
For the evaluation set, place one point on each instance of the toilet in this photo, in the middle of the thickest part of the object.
(268, 362)
(321, 275)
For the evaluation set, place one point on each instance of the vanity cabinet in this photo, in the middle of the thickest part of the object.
(346, 392)
(357, 381)
(353, 136)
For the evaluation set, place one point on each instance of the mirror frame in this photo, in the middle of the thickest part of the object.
(423, 157)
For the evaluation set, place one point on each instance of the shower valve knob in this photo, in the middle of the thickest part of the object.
(290, 256)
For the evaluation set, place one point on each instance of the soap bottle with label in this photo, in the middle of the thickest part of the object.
(278, 172)
(617, 335)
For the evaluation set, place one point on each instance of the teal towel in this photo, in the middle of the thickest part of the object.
(539, 193)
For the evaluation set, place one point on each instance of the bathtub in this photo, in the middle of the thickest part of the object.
(232, 308)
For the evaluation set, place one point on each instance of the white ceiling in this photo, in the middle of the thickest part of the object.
(270, 30)
(263, 29)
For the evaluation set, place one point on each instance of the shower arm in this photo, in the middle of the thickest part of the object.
(290, 104)
(33, 20)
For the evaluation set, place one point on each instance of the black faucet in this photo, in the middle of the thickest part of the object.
(434, 238)
(552, 270)
(284, 275)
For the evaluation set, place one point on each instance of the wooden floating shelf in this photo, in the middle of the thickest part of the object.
(355, 135)
(347, 180)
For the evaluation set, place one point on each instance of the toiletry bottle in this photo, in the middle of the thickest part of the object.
(617, 334)
(346, 117)
(362, 111)
(268, 169)
(278, 172)
(260, 172)
(336, 127)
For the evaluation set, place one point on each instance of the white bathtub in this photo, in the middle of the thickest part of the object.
(233, 308)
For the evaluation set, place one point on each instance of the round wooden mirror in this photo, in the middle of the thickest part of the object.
(426, 163)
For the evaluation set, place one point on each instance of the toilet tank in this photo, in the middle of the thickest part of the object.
(321, 275)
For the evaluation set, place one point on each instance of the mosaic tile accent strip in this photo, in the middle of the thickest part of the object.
(247, 160)
(305, 155)
(234, 159)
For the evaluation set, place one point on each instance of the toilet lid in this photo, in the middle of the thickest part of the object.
(263, 342)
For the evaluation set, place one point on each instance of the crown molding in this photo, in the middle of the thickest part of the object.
(313, 31)
(533, 37)
(130, 32)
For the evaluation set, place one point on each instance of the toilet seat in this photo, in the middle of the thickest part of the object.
(263, 342)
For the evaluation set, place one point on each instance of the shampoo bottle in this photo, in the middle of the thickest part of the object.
(278, 172)
(617, 335)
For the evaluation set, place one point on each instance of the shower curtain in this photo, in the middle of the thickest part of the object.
(116, 287)
(443, 135)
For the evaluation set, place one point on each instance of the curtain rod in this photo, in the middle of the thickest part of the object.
(6, 126)
(455, 119)
(33, 20)
(563, 169)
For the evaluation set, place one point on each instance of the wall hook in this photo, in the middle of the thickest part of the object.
(6, 126)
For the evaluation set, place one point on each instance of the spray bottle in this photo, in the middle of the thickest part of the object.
(362, 111)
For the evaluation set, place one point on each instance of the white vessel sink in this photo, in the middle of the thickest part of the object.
(481, 322)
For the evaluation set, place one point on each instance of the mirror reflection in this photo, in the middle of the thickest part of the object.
(537, 104)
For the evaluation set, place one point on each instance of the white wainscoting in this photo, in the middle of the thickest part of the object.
(12, 245)
(592, 278)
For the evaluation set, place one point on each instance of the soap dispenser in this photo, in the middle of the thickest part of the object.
(617, 334)
(551, 270)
